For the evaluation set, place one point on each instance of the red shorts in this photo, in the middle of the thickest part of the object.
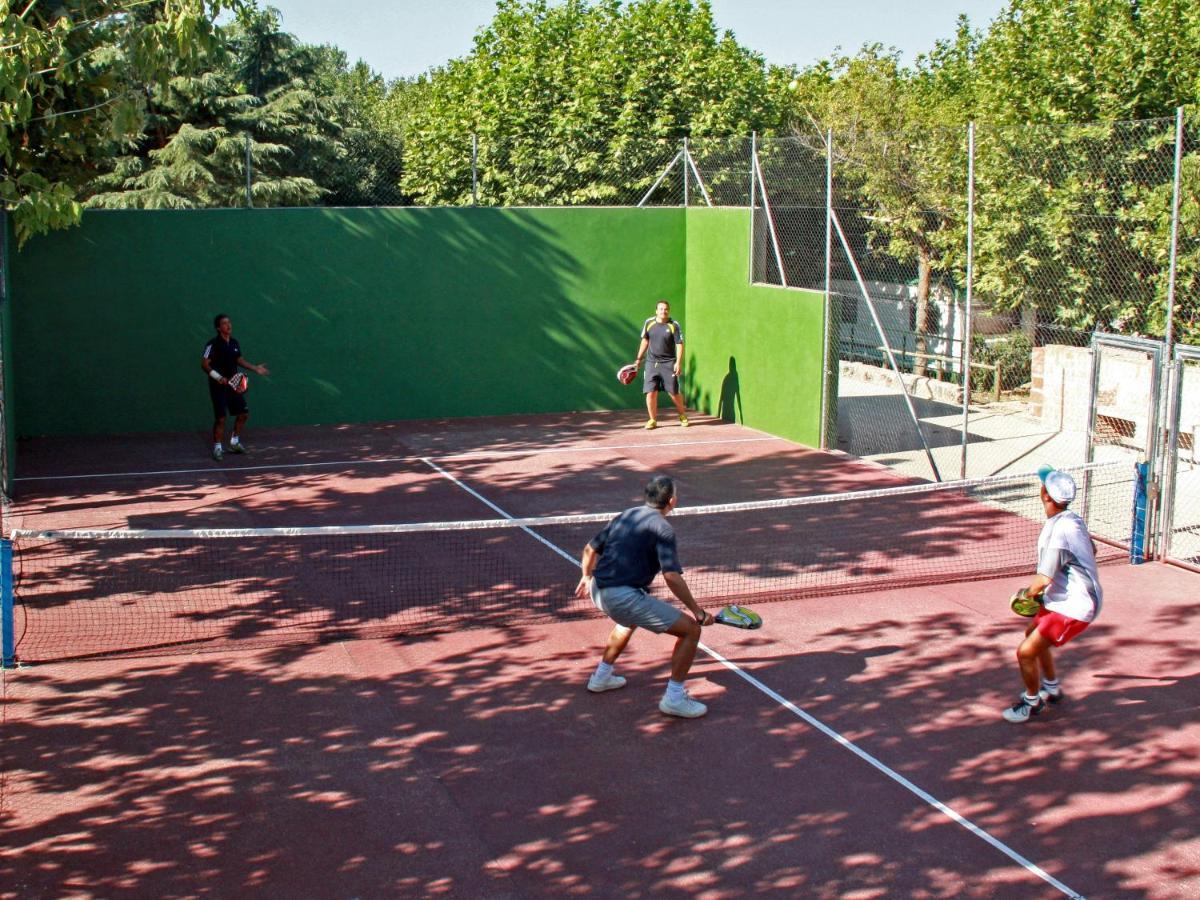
(1057, 628)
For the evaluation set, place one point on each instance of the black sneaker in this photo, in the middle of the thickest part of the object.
(1047, 697)
(1021, 711)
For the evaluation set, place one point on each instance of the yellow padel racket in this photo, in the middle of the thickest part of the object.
(739, 617)
(1024, 605)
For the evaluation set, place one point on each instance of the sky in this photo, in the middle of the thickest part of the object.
(402, 38)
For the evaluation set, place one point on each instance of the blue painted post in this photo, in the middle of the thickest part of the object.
(1137, 542)
(7, 642)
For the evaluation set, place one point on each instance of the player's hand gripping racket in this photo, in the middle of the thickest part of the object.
(1024, 605)
(239, 382)
(739, 617)
(626, 374)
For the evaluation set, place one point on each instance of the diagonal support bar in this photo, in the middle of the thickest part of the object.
(862, 286)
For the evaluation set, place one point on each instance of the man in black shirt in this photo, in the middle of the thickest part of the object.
(617, 568)
(663, 339)
(222, 357)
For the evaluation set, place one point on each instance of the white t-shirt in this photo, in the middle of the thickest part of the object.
(1066, 556)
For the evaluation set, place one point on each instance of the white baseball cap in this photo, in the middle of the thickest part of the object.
(1059, 485)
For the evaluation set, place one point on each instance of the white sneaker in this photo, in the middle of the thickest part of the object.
(599, 685)
(686, 708)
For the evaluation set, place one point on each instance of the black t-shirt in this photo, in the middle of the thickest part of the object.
(223, 355)
(663, 337)
(634, 547)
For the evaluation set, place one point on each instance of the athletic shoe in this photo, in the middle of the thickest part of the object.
(1021, 711)
(239, 447)
(599, 685)
(652, 423)
(218, 453)
(685, 708)
(683, 422)
(1047, 697)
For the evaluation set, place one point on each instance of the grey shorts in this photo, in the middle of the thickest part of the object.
(635, 608)
(660, 376)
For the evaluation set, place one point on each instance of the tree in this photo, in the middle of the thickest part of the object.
(71, 71)
(899, 149)
(580, 102)
(257, 104)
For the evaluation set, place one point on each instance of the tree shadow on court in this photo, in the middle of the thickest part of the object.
(478, 766)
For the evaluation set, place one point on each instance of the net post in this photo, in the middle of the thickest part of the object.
(7, 634)
(1137, 540)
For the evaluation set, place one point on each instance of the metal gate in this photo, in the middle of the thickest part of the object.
(1181, 460)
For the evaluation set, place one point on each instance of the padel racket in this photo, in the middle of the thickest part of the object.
(1024, 605)
(739, 617)
(239, 382)
(626, 374)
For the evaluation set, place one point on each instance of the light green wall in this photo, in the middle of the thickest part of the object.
(754, 353)
(361, 314)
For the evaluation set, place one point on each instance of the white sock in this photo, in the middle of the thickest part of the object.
(1050, 684)
(603, 670)
(674, 690)
(1032, 701)
(233, 441)
(217, 446)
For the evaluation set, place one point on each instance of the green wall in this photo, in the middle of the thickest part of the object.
(8, 464)
(361, 314)
(754, 353)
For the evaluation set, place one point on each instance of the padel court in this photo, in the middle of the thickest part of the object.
(402, 712)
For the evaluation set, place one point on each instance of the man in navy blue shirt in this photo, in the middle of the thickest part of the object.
(222, 357)
(617, 568)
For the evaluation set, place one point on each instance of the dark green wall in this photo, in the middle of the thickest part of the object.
(7, 389)
(361, 314)
(754, 353)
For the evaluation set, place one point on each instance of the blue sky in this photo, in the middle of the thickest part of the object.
(406, 37)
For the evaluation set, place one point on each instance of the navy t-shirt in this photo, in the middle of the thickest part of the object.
(223, 355)
(634, 547)
(662, 338)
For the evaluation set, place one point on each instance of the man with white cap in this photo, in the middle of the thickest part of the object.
(1069, 587)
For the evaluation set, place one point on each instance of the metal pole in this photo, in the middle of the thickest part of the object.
(249, 196)
(685, 172)
(967, 324)
(665, 172)
(762, 186)
(699, 181)
(7, 636)
(862, 286)
(474, 169)
(753, 200)
(1170, 459)
(833, 323)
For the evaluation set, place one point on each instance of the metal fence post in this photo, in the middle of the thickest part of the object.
(249, 176)
(474, 169)
(686, 157)
(833, 321)
(967, 322)
(753, 201)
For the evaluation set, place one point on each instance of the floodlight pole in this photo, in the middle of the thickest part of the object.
(969, 321)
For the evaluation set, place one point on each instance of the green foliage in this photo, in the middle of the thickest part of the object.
(1012, 352)
(69, 88)
(579, 102)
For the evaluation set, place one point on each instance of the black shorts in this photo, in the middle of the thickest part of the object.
(226, 401)
(660, 376)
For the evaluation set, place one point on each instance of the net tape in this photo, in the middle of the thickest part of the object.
(84, 593)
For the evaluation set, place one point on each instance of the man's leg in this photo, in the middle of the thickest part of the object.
(676, 702)
(603, 678)
(652, 405)
(687, 630)
(219, 430)
(1034, 650)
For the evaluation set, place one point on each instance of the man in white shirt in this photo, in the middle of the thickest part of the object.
(1069, 587)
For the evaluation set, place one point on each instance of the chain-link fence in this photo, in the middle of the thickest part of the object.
(967, 271)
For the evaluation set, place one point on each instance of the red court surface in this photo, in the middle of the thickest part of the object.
(853, 747)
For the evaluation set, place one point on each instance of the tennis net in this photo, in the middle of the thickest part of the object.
(81, 594)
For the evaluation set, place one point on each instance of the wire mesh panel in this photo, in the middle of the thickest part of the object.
(1182, 505)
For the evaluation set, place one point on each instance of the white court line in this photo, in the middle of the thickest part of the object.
(816, 723)
(350, 463)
